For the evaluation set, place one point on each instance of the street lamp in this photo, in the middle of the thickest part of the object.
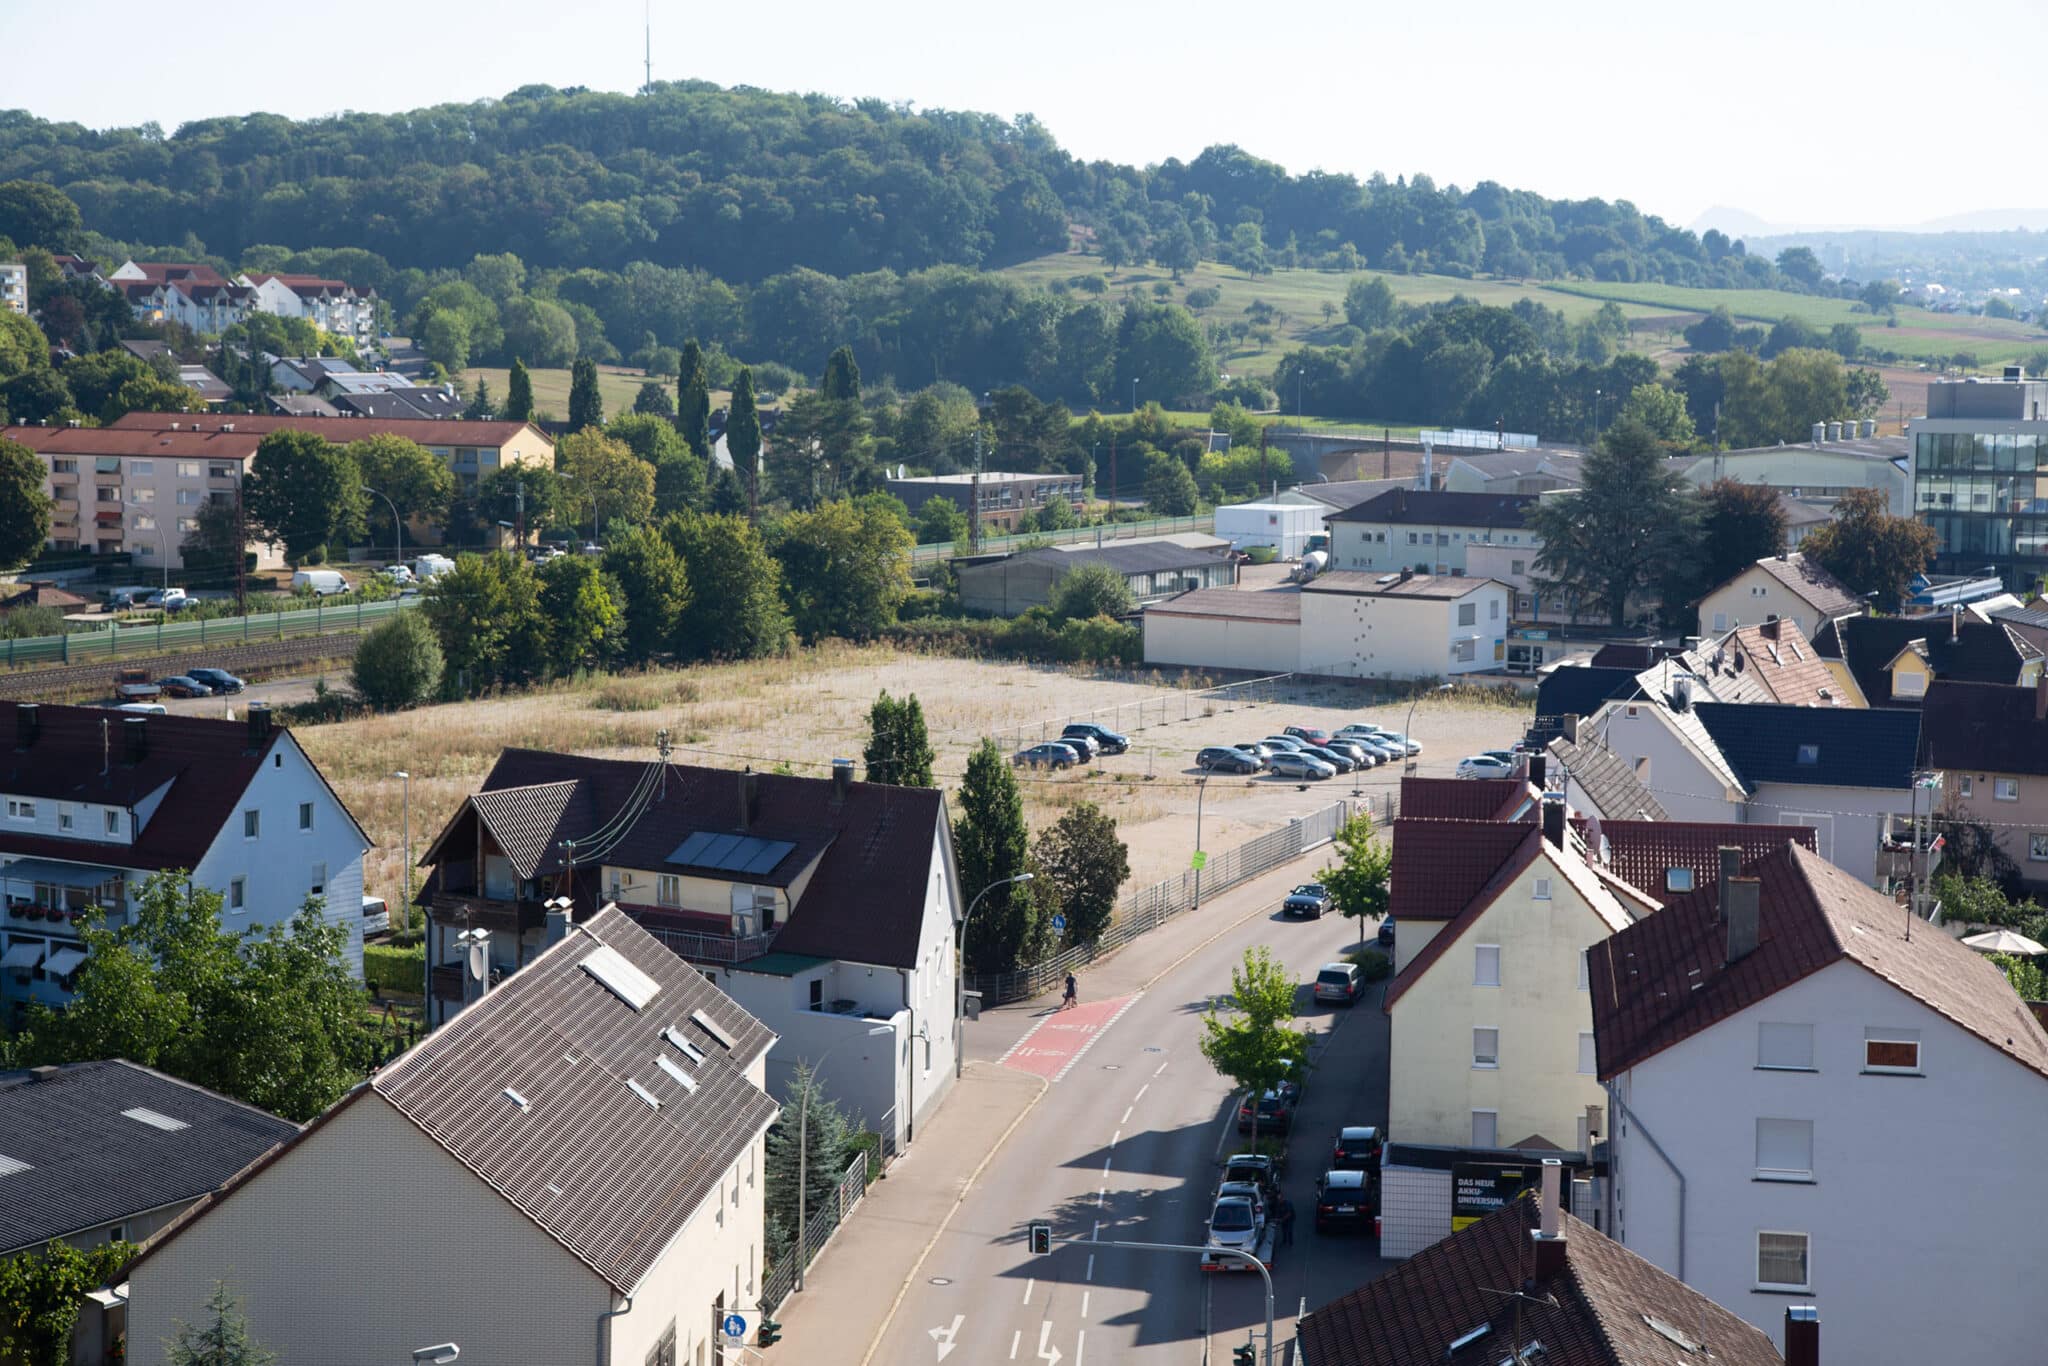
(960, 970)
(1201, 789)
(803, 1149)
(405, 877)
(397, 527)
(1134, 396)
(1408, 726)
(1297, 397)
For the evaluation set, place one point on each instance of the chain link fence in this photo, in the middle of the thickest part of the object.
(926, 555)
(781, 1278)
(1170, 705)
(157, 637)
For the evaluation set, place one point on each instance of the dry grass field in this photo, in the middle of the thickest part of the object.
(804, 710)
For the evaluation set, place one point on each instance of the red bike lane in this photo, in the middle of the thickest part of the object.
(1057, 1041)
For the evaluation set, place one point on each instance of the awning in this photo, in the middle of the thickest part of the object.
(63, 961)
(54, 874)
(23, 953)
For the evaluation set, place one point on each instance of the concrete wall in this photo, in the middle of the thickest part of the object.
(1383, 636)
(1889, 1213)
(367, 1242)
(1539, 1008)
(1256, 645)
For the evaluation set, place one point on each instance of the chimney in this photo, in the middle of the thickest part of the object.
(750, 797)
(1820, 432)
(557, 925)
(1802, 1335)
(1548, 1241)
(28, 724)
(1868, 428)
(135, 739)
(1571, 727)
(1742, 900)
(1731, 864)
(259, 724)
(2040, 697)
(1538, 769)
(1834, 431)
(842, 779)
(43, 1073)
(1554, 823)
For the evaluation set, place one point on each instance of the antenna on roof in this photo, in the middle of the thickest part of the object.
(648, 83)
(663, 748)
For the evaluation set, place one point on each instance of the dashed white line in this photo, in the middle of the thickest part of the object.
(1127, 1113)
(1114, 1137)
(1090, 1275)
(1016, 1341)
(1105, 1169)
(1100, 1196)
(1142, 1090)
(1084, 1303)
(1080, 1347)
(1161, 1068)
(1028, 1283)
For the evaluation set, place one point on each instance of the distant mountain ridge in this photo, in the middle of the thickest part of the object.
(1746, 226)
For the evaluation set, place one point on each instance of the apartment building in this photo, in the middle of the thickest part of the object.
(472, 449)
(330, 305)
(1004, 497)
(194, 296)
(14, 286)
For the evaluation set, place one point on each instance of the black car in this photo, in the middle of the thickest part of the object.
(220, 680)
(1223, 759)
(1343, 763)
(179, 685)
(1310, 899)
(1107, 740)
(1386, 934)
(1357, 1148)
(1346, 1201)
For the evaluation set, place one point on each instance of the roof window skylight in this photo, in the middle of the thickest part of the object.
(620, 977)
(154, 1120)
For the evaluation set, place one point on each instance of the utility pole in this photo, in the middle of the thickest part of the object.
(519, 493)
(1114, 487)
(974, 499)
(241, 548)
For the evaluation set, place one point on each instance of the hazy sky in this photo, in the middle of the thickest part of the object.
(1796, 111)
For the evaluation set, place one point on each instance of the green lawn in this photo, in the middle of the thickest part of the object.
(617, 385)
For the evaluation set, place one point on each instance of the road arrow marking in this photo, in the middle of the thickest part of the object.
(1046, 1351)
(944, 1336)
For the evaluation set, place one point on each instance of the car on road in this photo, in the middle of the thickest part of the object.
(183, 685)
(1484, 766)
(1224, 759)
(1346, 1201)
(1310, 899)
(169, 599)
(1275, 1112)
(1049, 755)
(1342, 763)
(1358, 754)
(1309, 735)
(1385, 937)
(1234, 1224)
(1339, 984)
(1106, 740)
(1357, 1147)
(1290, 764)
(220, 680)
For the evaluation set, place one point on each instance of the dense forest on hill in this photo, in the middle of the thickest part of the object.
(744, 184)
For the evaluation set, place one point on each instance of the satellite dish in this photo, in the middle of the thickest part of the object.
(480, 962)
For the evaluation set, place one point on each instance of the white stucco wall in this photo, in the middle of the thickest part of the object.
(1683, 785)
(1846, 820)
(1918, 1252)
(1752, 597)
(1378, 635)
(1255, 645)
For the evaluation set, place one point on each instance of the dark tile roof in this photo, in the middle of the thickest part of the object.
(1641, 853)
(2030, 626)
(1829, 595)
(1574, 690)
(1607, 780)
(1348, 493)
(1440, 865)
(1961, 648)
(1364, 583)
(864, 903)
(1598, 1311)
(1983, 727)
(188, 443)
(1632, 657)
(402, 405)
(1416, 507)
(90, 1164)
(1666, 978)
(79, 755)
(1260, 604)
(1763, 742)
(1135, 557)
(1464, 799)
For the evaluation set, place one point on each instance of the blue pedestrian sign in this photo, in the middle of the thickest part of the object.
(736, 1326)
(1059, 923)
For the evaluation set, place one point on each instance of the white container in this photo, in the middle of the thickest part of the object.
(1284, 526)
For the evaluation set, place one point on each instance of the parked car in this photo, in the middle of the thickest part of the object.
(427, 566)
(143, 708)
(324, 583)
(1286, 742)
(1339, 984)
(1507, 756)
(1385, 937)
(1083, 745)
(1106, 740)
(1357, 1147)
(1357, 728)
(169, 599)
(1234, 1223)
(220, 680)
(128, 596)
(1051, 754)
(1484, 766)
(1276, 1112)
(1358, 754)
(1309, 735)
(1310, 899)
(1380, 745)
(1256, 1169)
(397, 574)
(376, 916)
(1346, 1201)
(1290, 764)
(1223, 759)
(183, 685)
(1342, 763)
(1400, 742)
(1260, 749)
(133, 685)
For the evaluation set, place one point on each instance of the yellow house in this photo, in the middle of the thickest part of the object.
(1492, 1023)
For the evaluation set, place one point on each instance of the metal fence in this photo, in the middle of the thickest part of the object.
(1081, 535)
(1169, 705)
(781, 1278)
(155, 637)
(1144, 909)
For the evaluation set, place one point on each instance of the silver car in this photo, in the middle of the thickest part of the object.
(1289, 763)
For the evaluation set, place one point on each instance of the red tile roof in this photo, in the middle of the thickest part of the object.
(1640, 853)
(1779, 658)
(168, 445)
(1464, 799)
(426, 431)
(1440, 865)
(1666, 978)
(1601, 1309)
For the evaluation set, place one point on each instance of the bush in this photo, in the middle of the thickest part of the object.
(1372, 963)
(400, 971)
(1032, 636)
(869, 1142)
(398, 664)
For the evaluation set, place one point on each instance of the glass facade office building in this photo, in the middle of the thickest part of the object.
(1980, 476)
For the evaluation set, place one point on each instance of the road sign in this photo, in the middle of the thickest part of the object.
(736, 1326)
(1199, 861)
(1059, 924)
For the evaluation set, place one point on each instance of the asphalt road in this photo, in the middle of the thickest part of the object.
(1125, 1145)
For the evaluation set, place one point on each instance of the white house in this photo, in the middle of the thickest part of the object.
(195, 296)
(572, 1170)
(96, 801)
(1403, 625)
(1780, 1048)
(826, 907)
(1787, 585)
(1426, 532)
(330, 305)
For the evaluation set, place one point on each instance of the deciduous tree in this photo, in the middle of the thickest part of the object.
(1357, 881)
(941, 522)
(845, 569)
(398, 664)
(606, 470)
(417, 482)
(735, 609)
(42, 1292)
(656, 589)
(1086, 864)
(304, 492)
(1869, 549)
(1252, 1042)
(24, 507)
(1088, 591)
(581, 616)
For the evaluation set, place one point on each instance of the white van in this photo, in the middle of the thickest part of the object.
(427, 566)
(325, 583)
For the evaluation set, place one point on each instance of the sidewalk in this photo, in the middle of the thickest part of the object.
(851, 1289)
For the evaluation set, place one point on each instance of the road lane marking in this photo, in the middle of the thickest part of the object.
(1105, 1169)
(1096, 1236)
(1084, 1306)
(1223, 1133)
(1029, 1281)
(1016, 1341)
(1127, 1113)
(944, 1335)
(1143, 1089)
(1113, 1139)
(1091, 1268)
(1046, 1351)
(1162, 1068)
(1100, 1196)
(1080, 1346)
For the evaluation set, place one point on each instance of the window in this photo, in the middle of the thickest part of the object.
(1966, 785)
(1493, 609)
(1516, 567)
(1809, 754)
(63, 816)
(663, 1353)
(1909, 684)
(1784, 1150)
(1486, 1048)
(1720, 622)
(1891, 1050)
(142, 467)
(1542, 889)
(817, 993)
(2005, 789)
(220, 471)
(305, 815)
(238, 894)
(668, 889)
(1462, 651)
(252, 823)
(1411, 538)
(1784, 1047)
(20, 810)
(1486, 965)
(1781, 1261)
(1587, 1065)
(1485, 1128)
(317, 883)
(188, 469)
(1678, 879)
(2037, 848)
(113, 822)
(142, 495)
(64, 467)
(189, 497)
(1585, 969)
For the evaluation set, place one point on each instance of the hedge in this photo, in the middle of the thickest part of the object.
(401, 971)
(1034, 635)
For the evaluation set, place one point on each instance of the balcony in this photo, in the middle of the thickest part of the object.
(699, 938)
(463, 906)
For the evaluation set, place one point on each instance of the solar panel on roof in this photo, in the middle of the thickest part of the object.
(731, 853)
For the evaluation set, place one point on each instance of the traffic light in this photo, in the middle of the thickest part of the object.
(770, 1334)
(1246, 1355)
(1041, 1239)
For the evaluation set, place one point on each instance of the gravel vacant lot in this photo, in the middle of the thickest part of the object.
(803, 711)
